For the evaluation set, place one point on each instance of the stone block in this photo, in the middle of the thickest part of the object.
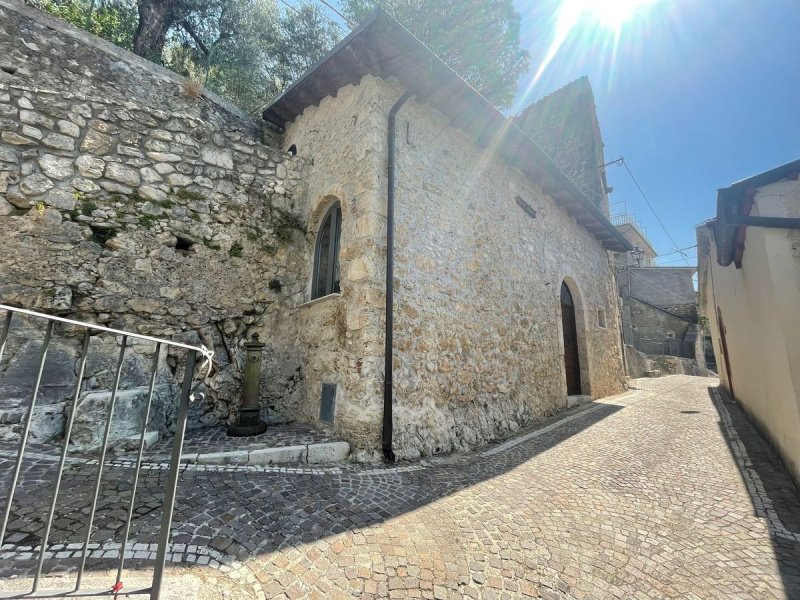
(35, 185)
(16, 139)
(5, 208)
(127, 420)
(32, 132)
(234, 457)
(217, 157)
(90, 166)
(58, 378)
(283, 454)
(69, 128)
(60, 199)
(132, 442)
(57, 167)
(96, 142)
(59, 141)
(327, 452)
(122, 173)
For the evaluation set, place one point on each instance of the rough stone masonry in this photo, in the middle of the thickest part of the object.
(128, 201)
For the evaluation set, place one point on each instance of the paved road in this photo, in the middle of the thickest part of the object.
(663, 492)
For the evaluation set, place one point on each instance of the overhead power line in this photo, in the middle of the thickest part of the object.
(622, 161)
(345, 19)
(678, 251)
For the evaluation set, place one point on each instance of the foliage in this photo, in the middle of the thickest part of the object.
(246, 50)
(478, 39)
(285, 224)
(189, 194)
(147, 221)
(113, 20)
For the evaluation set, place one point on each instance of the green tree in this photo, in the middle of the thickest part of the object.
(478, 39)
(245, 50)
(113, 20)
(248, 50)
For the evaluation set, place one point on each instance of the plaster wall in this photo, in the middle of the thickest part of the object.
(758, 305)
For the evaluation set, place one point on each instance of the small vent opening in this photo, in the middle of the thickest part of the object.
(183, 244)
(327, 402)
(293, 150)
(101, 235)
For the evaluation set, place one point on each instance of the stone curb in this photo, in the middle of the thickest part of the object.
(305, 454)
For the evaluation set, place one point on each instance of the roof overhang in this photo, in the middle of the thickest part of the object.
(734, 204)
(380, 46)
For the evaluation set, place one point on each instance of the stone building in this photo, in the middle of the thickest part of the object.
(749, 286)
(128, 201)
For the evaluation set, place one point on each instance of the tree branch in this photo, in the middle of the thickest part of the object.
(189, 28)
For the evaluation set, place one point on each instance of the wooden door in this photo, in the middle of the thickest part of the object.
(572, 363)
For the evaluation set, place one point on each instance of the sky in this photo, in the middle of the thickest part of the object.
(694, 94)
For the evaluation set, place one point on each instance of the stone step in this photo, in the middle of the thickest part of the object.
(577, 400)
(323, 452)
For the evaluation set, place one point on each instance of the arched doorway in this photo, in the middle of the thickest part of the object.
(572, 365)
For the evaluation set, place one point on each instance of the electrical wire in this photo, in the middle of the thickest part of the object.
(671, 262)
(331, 20)
(345, 19)
(641, 191)
(678, 251)
(322, 13)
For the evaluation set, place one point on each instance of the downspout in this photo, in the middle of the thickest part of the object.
(388, 453)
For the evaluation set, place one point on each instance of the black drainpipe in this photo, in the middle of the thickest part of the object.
(388, 453)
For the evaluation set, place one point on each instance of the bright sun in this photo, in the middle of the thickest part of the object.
(588, 16)
(609, 13)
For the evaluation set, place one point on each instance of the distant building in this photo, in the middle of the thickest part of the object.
(749, 286)
(659, 306)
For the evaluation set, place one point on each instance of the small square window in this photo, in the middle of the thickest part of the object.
(601, 318)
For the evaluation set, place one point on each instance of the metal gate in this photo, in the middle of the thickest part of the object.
(40, 553)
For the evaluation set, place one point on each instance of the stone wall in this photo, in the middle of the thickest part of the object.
(478, 348)
(130, 201)
(656, 331)
(478, 342)
(342, 335)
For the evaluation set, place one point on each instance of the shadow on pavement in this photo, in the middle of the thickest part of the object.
(233, 514)
(773, 494)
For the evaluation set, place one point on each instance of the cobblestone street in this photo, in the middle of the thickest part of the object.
(663, 492)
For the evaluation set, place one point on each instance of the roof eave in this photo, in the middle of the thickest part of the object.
(442, 77)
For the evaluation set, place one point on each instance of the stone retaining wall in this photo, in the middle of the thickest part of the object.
(128, 200)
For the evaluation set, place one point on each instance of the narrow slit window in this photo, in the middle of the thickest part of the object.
(326, 255)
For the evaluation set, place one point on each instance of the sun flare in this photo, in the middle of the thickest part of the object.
(593, 20)
(609, 13)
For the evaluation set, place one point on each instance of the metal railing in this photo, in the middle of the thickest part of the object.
(624, 217)
(172, 479)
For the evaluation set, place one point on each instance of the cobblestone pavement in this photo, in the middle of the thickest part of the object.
(663, 492)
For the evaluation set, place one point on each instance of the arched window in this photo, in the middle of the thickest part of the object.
(326, 254)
